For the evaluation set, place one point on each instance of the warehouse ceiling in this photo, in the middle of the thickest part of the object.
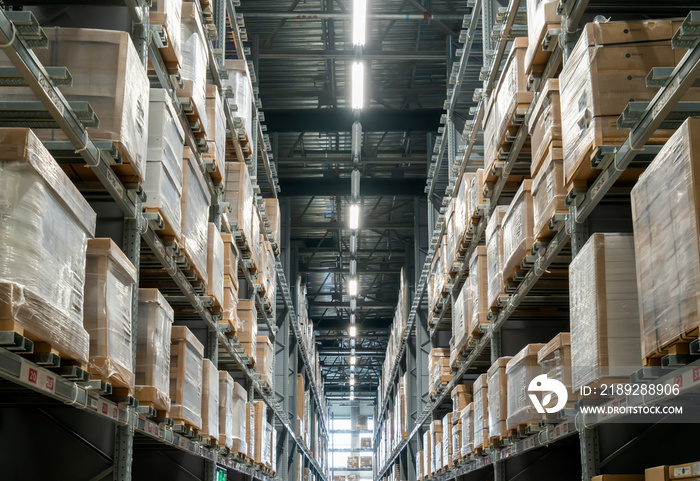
(303, 52)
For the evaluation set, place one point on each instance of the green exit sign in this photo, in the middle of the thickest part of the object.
(220, 474)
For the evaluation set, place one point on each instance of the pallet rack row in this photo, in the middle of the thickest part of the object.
(140, 227)
(568, 228)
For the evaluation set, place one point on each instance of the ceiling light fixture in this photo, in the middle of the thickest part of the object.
(352, 381)
(353, 360)
(359, 22)
(352, 287)
(358, 85)
(354, 216)
(353, 331)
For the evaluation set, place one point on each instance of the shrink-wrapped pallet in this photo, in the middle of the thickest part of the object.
(230, 312)
(216, 134)
(44, 231)
(494, 254)
(450, 238)
(240, 420)
(665, 219)
(545, 126)
(460, 322)
(476, 194)
(239, 194)
(195, 215)
(467, 418)
(518, 230)
(215, 265)
(247, 331)
(164, 197)
(541, 17)
(510, 94)
(186, 356)
(255, 247)
(365, 461)
(605, 340)
(555, 360)
(107, 74)
(461, 396)
(456, 436)
(478, 291)
(250, 431)
(461, 211)
(548, 195)
(480, 413)
(238, 83)
(439, 367)
(153, 350)
(498, 397)
(230, 259)
(194, 63)
(272, 210)
(606, 70)
(437, 279)
(520, 370)
(210, 400)
(168, 14)
(264, 360)
(436, 438)
(266, 445)
(353, 462)
(447, 440)
(226, 412)
(427, 453)
(109, 282)
(260, 410)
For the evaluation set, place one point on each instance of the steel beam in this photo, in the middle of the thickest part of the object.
(297, 187)
(341, 120)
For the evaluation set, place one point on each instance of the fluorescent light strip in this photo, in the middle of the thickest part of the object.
(358, 85)
(354, 216)
(359, 22)
(352, 287)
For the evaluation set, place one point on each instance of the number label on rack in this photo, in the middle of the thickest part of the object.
(108, 410)
(38, 377)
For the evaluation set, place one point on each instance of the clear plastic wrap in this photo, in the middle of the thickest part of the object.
(522, 369)
(518, 230)
(239, 83)
(250, 429)
(255, 248)
(239, 194)
(273, 447)
(266, 457)
(461, 396)
(480, 413)
(108, 74)
(460, 207)
(497, 397)
(605, 340)
(230, 312)
(265, 360)
(272, 210)
(664, 214)
(226, 411)
(466, 416)
(490, 140)
(545, 125)
(427, 453)
(438, 363)
(194, 61)
(215, 264)
(608, 68)
(168, 13)
(195, 215)
(437, 279)
(494, 254)
(436, 438)
(478, 290)
(548, 195)
(450, 239)
(153, 349)
(456, 436)
(476, 193)
(248, 327)
(555, 359)
(45, 227)
(186, 356)
(447, 440)
(240, 425)
(163, 194)
(109, 284)
(216, 131)
(541, 16)
(210, 400)
(165, 135)
(230, 259)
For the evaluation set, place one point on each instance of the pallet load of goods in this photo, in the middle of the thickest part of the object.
(80, 317)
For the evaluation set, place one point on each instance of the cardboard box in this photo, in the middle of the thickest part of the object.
(548, 194)
(480, 413)
(216, 134)
(168, 14)
(545, 125)
(605, 342)
(657, 473)
(618, 477)
(520, 371)
(494, 254)
(230, 259)
(109, 282)
(210, 400)
(541, 17)
(265, 361)
(215, 265)
(194, 63)
(272, 210)
(248, 332)
(518, 237)
(665, 206)
(353, 462)
(461, 396)
(260, 415)
(152, 376)
(195, 215)
(365, 461)
(226, 410)
(478, 291)
(46, 223)
(466, 417)
(239, 194)
(497, 382)
(682, 471)
(555, 359)
(186, 357)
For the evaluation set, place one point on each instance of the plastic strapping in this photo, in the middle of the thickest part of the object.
(12, 40)
(85, 144)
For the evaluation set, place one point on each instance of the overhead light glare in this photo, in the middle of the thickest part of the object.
(353, 331)
(353, 360)
(358, 85)
(352, 381)
(354, 216)
(352, 396)
(359, 22)
(352, 287)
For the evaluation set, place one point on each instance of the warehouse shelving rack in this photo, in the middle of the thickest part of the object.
(18, 33)
(570, 237)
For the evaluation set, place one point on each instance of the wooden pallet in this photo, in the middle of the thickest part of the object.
(522, 431)
(676, 352)
(167, 230)
(170, 57)
(156, 410)
(196, 118)
(190, 430)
